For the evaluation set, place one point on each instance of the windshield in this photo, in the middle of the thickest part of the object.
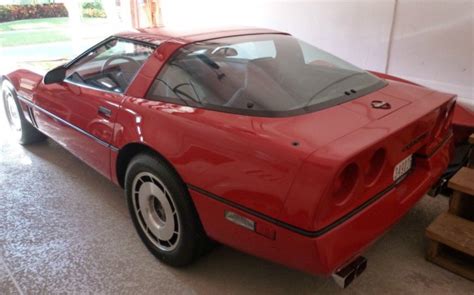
(270, 74)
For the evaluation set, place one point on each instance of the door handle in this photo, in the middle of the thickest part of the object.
(105, 112)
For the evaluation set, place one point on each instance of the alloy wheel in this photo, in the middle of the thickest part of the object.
(156, 211)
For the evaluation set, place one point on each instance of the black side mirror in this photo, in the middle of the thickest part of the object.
(56, 75)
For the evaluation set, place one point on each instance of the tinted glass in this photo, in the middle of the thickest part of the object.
(111, 66)
(270, 74)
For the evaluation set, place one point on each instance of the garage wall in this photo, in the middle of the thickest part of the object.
(428, 41)
(433, 44)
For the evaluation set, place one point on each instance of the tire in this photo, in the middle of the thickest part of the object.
(162, 211)
(22, 130)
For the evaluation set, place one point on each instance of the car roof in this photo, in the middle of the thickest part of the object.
(158, 35)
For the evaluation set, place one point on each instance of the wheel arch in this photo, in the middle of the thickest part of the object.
(128, 152)
(12, 78)
(5, 78)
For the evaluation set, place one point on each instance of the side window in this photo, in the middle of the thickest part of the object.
(111, 66)
(175, 84)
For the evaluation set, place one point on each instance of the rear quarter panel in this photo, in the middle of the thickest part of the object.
(225, 154)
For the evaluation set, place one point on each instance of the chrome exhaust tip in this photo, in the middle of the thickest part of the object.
(346, 275)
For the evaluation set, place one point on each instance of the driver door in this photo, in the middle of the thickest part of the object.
(80, 112)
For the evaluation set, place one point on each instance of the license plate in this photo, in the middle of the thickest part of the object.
(402, 168)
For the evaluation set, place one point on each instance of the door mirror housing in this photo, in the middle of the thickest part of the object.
(55, 75)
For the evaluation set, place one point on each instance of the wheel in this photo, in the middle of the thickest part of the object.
(22, 130)
(162, 211)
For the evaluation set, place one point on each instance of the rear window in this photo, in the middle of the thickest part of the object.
(265, 75)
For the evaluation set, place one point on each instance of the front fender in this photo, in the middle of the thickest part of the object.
(25, 82)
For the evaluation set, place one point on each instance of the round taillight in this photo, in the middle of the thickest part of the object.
(375, 166)
(345, 183)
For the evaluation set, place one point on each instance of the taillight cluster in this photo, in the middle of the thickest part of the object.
(375, 166)
(349, 177)
(444, 119)
(345, 183)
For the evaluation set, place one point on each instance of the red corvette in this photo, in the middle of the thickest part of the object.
(248, 137)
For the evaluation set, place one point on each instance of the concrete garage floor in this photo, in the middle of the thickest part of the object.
(65, 229)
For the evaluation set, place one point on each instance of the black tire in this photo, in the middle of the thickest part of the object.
(151, 170)
(25, 133)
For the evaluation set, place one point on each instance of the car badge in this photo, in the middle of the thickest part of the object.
(379, 104)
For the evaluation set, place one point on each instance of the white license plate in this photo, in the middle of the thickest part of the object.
(402, 168)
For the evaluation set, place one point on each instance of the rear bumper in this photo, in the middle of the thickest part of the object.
(323, 254)
(352, 237)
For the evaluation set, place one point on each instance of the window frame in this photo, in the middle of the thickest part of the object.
(98, 45)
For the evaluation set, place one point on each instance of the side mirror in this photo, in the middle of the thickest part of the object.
(55, 75)
(225, 52)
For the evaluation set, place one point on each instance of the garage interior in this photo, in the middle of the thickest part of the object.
(66, 229)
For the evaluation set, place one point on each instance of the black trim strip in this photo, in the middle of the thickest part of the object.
(265, 113)
(98, 140)
(293, 228)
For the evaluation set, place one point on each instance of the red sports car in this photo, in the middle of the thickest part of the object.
(249, 137)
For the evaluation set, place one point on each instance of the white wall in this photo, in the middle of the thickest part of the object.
(430, 42)
(433, 44)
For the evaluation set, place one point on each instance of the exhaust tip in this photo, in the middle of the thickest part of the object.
(346, 275)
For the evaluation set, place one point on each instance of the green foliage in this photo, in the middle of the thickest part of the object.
(18, 12)
(93, 9)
